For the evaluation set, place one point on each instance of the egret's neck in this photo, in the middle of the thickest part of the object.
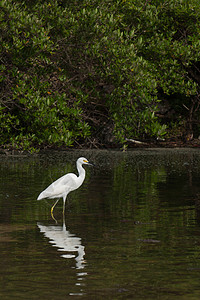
(81, 173)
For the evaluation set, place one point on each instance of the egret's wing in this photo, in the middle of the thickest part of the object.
(62, 185)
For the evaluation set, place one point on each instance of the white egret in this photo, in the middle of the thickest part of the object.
(65, 184)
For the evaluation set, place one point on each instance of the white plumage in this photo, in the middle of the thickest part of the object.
(65, 184)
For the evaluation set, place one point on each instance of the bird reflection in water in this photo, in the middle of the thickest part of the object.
(65, 241)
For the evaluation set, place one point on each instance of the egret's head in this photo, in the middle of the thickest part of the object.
(84, 161)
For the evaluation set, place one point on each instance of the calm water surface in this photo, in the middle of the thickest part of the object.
(132, 231)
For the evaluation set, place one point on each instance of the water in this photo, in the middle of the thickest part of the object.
(132, 231)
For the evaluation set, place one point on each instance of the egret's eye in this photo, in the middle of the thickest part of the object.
(85, 160)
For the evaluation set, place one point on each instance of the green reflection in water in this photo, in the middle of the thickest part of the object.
(136, 220)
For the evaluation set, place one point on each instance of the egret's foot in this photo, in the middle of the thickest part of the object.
(53, 209)
(52, 215)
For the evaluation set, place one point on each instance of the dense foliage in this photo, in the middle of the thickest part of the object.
(98, 72)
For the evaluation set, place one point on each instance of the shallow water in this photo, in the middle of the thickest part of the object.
(132, 231)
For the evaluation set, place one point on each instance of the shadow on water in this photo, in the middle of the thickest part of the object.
(132, 230)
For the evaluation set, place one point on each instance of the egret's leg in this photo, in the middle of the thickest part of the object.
(63, 208)
(64, 198)
(53, 208)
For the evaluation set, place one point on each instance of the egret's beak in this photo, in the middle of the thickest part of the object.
(89, 163)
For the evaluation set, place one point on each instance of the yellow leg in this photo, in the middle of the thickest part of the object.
(53, 208)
